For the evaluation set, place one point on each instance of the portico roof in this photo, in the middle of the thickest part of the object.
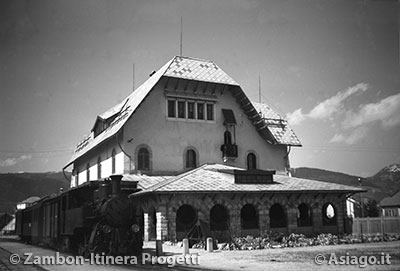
(219, 178)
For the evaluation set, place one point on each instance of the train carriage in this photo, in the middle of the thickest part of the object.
(94, 217)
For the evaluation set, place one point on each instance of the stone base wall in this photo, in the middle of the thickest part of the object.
(167, 206)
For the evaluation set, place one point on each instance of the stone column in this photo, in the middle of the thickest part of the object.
(292, 219)
(341, 214)
(162, 223)
(172, 225)
(317, 218)
(263, 219)
(147, 222)
(235, 221)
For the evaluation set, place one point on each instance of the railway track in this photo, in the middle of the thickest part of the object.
(5, 264)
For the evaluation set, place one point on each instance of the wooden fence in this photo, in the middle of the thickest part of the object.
(375, 225)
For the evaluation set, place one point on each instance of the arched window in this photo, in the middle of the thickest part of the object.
(185, 218)
(328, 215)
(277, 216)
(219, 218)
(251, 161)
(191, 160)
(227, 138)
(249, 217)
(113, 153)
(99, 168)
(87, 172)
(304, 216)
(143, 159)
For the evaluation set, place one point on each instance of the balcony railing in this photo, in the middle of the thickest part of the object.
(229, 150)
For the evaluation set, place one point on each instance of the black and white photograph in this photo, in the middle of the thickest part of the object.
(199, 135)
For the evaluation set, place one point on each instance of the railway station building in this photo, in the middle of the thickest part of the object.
(204, 154)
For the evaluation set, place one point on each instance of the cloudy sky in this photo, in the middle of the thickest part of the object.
(330, 67)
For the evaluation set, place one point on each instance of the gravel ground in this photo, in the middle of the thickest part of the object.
(266, 259)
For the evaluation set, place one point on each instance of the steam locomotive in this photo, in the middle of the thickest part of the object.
(95, 217)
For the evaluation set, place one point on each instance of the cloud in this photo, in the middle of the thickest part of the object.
(14, 160)
(353, 137)
(296, 117)
(335, 104)
(386, 111)
(355, 124)
(327, 108)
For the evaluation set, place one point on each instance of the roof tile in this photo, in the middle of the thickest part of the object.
(196, 69)
(209, 178)
(276, 125)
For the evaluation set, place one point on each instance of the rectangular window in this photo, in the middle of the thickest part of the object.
(171, 109)
(181, 109)
(210, 112)
(200, 111)
(190, 110)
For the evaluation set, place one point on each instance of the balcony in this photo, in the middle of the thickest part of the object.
(229, 150)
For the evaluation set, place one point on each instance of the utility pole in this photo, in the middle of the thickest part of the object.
(362, 212)
(259, 89)
(180, 48)
(361, 198)
(133, 75)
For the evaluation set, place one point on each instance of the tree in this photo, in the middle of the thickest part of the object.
(371, 208)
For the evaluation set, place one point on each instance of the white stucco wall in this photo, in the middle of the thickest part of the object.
(168, 138)
(105, 153)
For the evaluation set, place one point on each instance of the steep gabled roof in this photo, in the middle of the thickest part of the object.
(199, 70)
(391, 201)
(126, 108)
(190, 69)
(216, 178)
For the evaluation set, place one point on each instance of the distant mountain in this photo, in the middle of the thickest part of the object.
(15, 187)
(383, 183)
